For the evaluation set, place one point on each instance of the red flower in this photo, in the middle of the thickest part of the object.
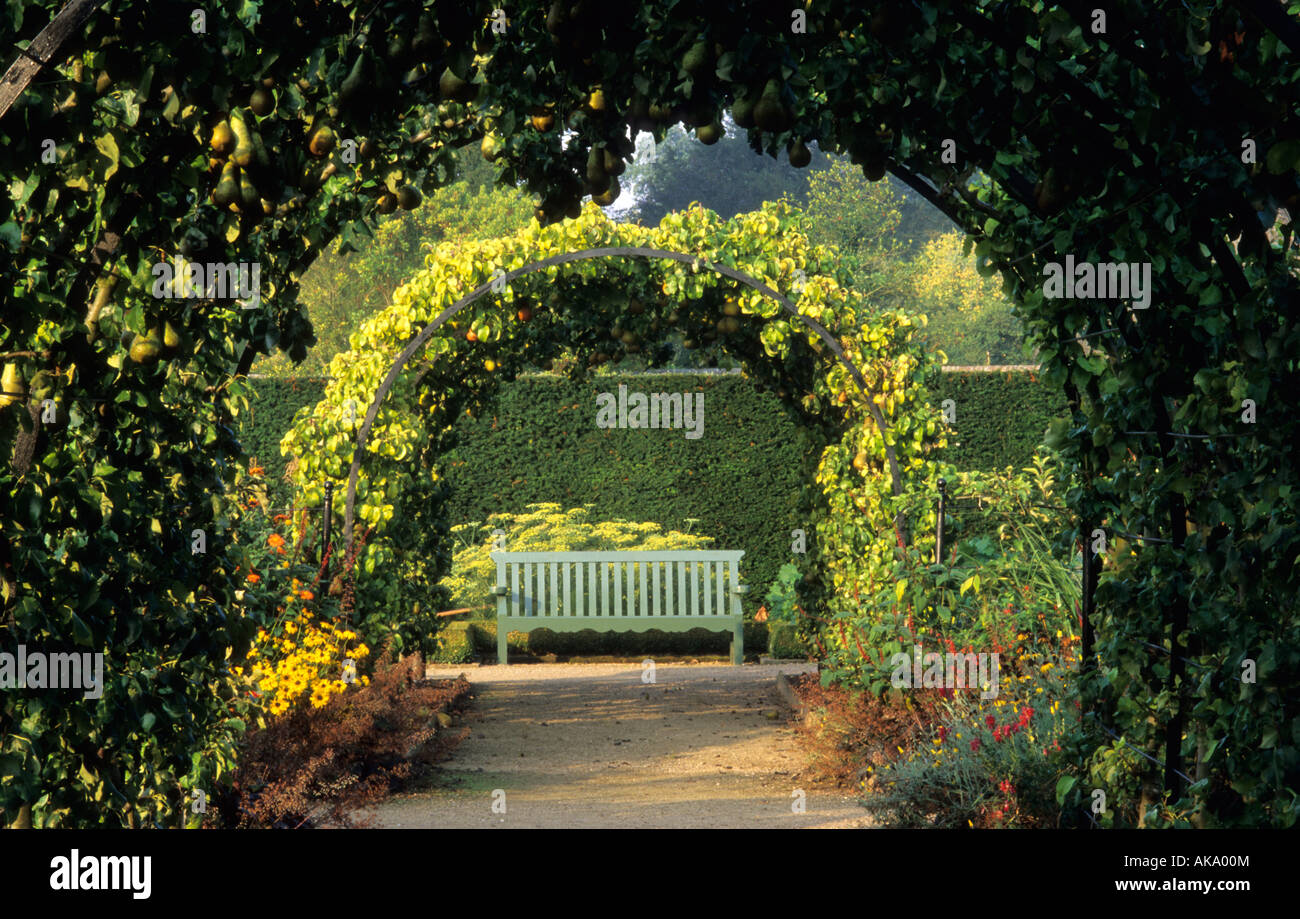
(943, 733)
(997, 734)
(975, 745)
(990, 721)
(1006, 787)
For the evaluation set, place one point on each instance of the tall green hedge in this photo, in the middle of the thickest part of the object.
(1000, 416)
(740, 481)
(270, 411)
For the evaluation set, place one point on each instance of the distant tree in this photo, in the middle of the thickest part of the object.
(725, 177)
(862, 220)
(969, 318)
(343, 288)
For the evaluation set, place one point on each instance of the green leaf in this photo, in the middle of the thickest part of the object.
(107, 145)
(1283, 155)
(81, 633)
(1063, 786)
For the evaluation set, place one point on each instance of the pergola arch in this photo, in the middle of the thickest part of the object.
(421, 338)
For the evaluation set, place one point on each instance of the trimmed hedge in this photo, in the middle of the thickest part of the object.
(784, 643)
(1001, 416)
(741, 480)
(271, 410)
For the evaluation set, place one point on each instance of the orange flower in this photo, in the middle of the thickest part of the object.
(305, 594)
(275, 540)
(256, 470)
(254, 577)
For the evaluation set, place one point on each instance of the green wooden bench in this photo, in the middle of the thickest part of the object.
(620, 591)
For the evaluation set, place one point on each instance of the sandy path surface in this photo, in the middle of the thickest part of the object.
(591, 745)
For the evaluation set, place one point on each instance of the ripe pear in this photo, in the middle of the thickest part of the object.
(710, 133)
(243, 154)
(698, 60)
(171, 337)
(147, 348)
(408, 199)
(609, 195)
(742, 111)
(223, 139)
(322, 141)
(800, 155)
(769, 113)
(613, 163)
(249, 199)
(11, 382)
(261, 102)
(227, 190)
(455, 89)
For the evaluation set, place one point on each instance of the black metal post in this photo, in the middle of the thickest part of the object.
(1086, 601)
(329, 519)
(938, 524)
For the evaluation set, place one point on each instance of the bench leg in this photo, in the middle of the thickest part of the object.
(738, 643)
(502, 647)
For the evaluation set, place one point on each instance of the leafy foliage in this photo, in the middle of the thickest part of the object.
(967, 315)
(1066, 141)
(342, 288)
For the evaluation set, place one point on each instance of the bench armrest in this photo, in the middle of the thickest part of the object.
(500, 591)
(741, 589)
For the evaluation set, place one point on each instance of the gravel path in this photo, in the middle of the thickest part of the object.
(591, 745)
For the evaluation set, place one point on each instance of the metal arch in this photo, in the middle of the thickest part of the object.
(637, 252)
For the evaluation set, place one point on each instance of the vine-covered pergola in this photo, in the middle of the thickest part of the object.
(1162, 132)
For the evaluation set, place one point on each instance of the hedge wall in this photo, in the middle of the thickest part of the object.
(1001, 416)
(271, 410)
(741, 480)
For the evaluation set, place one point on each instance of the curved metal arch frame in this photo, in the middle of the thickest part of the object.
(695, 261)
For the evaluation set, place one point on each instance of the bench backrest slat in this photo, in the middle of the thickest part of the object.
(637, 584)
